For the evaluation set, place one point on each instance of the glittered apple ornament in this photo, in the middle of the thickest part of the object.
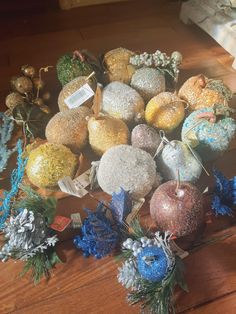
(165, 111)
(209, 131)
(106, 132)
(177, 159)
(145, 137)
(148, 82)
(123, 102)
(152, 263)
(202, 92)
(177, 208)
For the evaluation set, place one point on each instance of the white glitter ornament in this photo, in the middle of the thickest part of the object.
(176, 157)
(148, 82)
(145, 137)
(121, 101)
(128, 167)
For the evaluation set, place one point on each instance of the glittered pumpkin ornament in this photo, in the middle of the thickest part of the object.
(165, 111)
(73, 86)
(116, 64)
(127, 167)
(48, 163)
(177, 207)
(148, 82)
(123, 102)
(70, 66)
(69, 128)
(14, 99)
(145, 137)
(22, 84)
(202, 92)
(209, 131)
(177, 159)
(105, 132)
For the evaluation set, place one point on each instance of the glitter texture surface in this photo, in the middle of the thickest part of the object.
(145, 137)
(148, 82)
(105, 132)
(157, 268)
(72, 87)
(128, 167)
(209, 139)
(178, 211)
(165, 111)
(69, 128)
(123, 102)
(175, 157)
(49, 163)
(116, 62)
(195, 92)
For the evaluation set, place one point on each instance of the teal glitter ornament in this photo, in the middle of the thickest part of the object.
(152, 263)
(209, 131)
(70, 66)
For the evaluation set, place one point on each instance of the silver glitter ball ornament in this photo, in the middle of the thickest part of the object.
(121, 101)
(148, 82)
(128, 167)
(145, 137)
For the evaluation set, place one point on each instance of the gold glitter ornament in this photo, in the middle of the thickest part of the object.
(69, 128)
(105, 132)
(116, 63)
(28, 70)
(23, 84)
(202, 92)
(123, 102)
(72, 87)
(148, 82)
(165, 111)
(14, 99)
(49, 163)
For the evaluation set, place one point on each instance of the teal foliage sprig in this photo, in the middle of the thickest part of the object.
(5, 136)
(16, 179)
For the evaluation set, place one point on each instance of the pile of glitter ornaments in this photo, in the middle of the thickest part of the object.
(150, 141)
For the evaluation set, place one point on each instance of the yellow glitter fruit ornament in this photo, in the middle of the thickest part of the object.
(165, 111)
(73, 86)
(69, 128)
(49, 163)
(105, 132)
(116, 63)
(202, 92)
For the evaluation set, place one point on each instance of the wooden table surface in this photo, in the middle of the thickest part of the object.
(33, 34)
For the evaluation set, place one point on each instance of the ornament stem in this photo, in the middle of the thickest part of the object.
(195, 156)
(178, 182)
(90, 75)
(77, 54)
(45, 69)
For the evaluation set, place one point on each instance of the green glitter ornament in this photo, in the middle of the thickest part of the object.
(70, 66)
(49, 163)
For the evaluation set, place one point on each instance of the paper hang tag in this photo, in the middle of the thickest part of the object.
(79, 97)
(137, 204)
(178, 251)
(76, 220)
(77, 186)
(60, 223)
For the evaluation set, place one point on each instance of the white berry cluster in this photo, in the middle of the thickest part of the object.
(137, 246)
(158, 59)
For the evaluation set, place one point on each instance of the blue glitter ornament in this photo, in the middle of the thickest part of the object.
(224, 196)
(98, 235)
(152, 263)
(209, 138)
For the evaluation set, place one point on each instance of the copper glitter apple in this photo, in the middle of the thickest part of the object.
(177, 208)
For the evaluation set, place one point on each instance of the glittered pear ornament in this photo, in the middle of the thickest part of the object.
(176, 158)
(165, 111)
(105, 132)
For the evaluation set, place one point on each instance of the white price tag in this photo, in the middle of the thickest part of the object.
(79, 97)
(77, 186)
(137, 204)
